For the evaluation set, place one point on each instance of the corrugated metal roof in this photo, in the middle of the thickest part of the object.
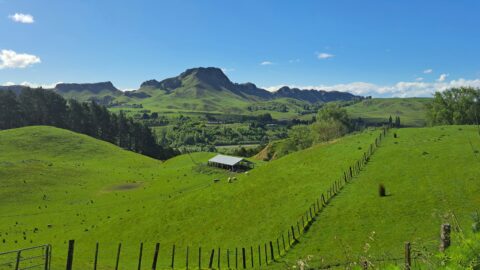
(227, 160)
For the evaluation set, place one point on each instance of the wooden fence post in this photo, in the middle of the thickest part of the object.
(283, 241)
(155, 256)
(118, 256)
(140, 255)
(95, 260)
(228, 258)
(200, 258)
(293, 234)
(408, 258)
(259, 256)
(47, 257)
(186, 259)
(210, 264)
(445, 236)
(71, 248)
(19, 256)
(218, 259)
(244, 259)
(266, 255)
(251, 255)
(272, 254)
(236, 258)
(173, 257)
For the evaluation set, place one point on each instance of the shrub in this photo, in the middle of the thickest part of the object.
(382, 191)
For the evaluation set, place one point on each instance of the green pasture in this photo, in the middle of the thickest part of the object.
(412, 111)
(58, 185)
(430, 174)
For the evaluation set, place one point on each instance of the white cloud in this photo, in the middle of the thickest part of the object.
(33, 85)
(442, 77)
(399, 89)
(266, 63)
(11, 59)
(419, 79)
(324, 55)
(227, 70)
(428, 71)
(22, 18)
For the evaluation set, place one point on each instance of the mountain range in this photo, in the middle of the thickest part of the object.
(197, 89)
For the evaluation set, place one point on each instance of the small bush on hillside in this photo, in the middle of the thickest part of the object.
(382, 191)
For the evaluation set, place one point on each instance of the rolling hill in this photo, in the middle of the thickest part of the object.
(430, 174)
(70, 186)
(199, 90)
(412, 111)
(58, 185)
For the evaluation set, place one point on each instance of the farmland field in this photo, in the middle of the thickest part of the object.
(429, 174)
(412, 111)
(58, 185)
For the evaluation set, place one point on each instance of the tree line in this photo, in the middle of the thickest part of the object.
(455, 106)
(44, 107)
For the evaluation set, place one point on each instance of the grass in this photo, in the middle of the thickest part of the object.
(70, 186)
(429, 173)
(412, 111)
(193, 100)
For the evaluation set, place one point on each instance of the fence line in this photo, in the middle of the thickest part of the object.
(22, 259)
(269, 253)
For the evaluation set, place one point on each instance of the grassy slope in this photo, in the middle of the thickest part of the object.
(188, 100)
(176, 203)
(411, 110)
(428, 172)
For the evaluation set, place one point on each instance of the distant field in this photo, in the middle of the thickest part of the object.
(76, 184)
(412, 111)
(174, 107)
(429, 173)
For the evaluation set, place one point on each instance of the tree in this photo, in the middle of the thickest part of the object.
(455, 106)
(45, 107)
(397, 122)
(332, 122)
(301, 136)
(333, 112)
(390, 121)
(10, 113)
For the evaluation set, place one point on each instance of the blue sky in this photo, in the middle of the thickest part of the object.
(380, 48)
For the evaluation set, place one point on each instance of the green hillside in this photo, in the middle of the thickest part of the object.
(412, 111)
(58, 185)
(429, 174)
(70, 186)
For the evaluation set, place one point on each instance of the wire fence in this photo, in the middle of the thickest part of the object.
(38, 257)
(257, 255)
(252, 256)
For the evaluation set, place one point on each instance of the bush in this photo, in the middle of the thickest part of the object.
(382, 191)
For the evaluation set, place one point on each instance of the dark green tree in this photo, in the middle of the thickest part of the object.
(10, 113)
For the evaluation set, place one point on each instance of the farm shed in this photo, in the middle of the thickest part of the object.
(231, 163)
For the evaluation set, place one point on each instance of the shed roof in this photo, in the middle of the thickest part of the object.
(227, 160)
